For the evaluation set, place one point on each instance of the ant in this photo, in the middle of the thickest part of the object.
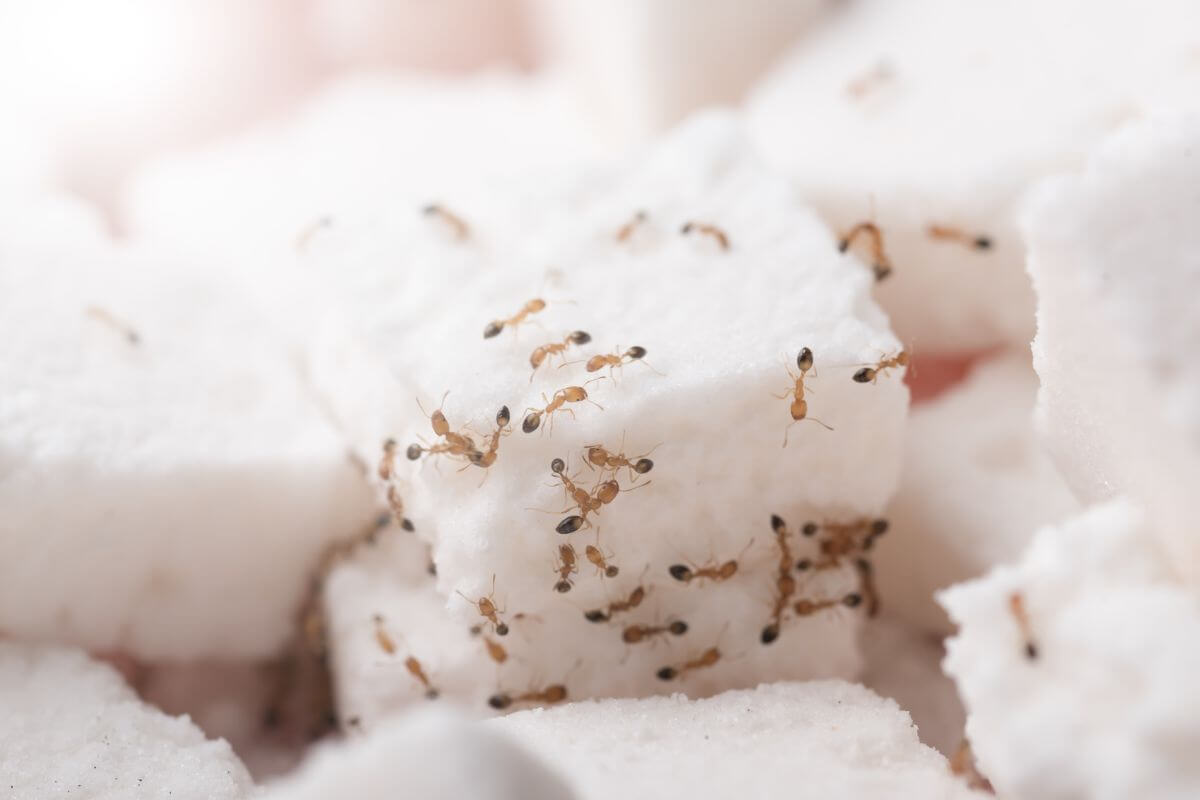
(598, 559)
(577, 495)
(461, 229)
(397, 507)
(486, 458)
(799, 406)
(382, 637)
(495, 650)
(456, 444)
(626, 231)
(785, 587)
(310, 230)
(565, 567)
(685, 574)
(1016, 605)
(638, 633)
(707, 659)
(417, 671)
(845, 539)
(487, 609)
(880, 264)
(598, 456)
(550, 695)
(602, 495)
(540, 354)
(869, 374)
(947, 233)
(806, 608)
(615, 360)
(111, 320)
(633, 601)
(866, 585)
(387, 460)
(708, 230)
(494, 327)
(569, 394)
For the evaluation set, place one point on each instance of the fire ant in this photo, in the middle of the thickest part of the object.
(494, 327)
(569, 394)
(633, 601)
(708, 230)
(707, 659)
(598, 456)
(565, 567)
(638, 633)
(461, 230)
(880, 264)
(626, 230)
(1016, 605)
(382, 637)
(486, 458)
(947, 233)
(869, 374)
(495, 650)
(550, 695)
(799, 406)
(417, 671)
(615, 360)
(487, 609)
(601, 563)
(111, 320)
(540, 354)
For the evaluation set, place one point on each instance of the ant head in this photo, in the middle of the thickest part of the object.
(678, 627)
(502, 629)
(579, 337)
(667, 673)
(499, 701)
(413, 452)
(502, 417)
(769, 634)
(636, 352)
(864, 375)
(570, 524)
(536, 304)
(562, 587)
(595, 615)
(777, 523)
(804, 360)
(852, 600)
(680, 572)
(557, 466)
(879, 527)
(809, 529)
(532, 420)
(643, 466)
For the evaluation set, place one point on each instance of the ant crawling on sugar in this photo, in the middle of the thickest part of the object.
(634, 600)
(806, 608)
(600, 561)
(577, 495)
(785, 584)
(1016, 606)
(396, 505)
(949, 234)
(708, 658)
(707, 229)
(548, 696)
(540, 354)
(417, 671)
(845, 539)
(625, 232)
(485, 458)
(566, 566)
(880, 264)
(455, 222)
(117, 324)
(454, 443)
(713, 571)
(871, 373)
(598, 456)
(487, 610)
(616, 360)
(494, 327)
(799, 405)
(640, 633)
(569, 394)
(604, 493)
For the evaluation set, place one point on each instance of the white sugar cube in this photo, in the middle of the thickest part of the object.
(432, 755)
(723, 315)
(974, 487)
(72, 728)
(936, 112)
(1115, 257)
(805, 740)
(167, 479)
(1078, 665)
